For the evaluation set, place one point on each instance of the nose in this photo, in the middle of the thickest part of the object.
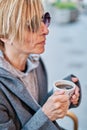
(44, 29)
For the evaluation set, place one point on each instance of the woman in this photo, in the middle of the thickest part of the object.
(23, 81)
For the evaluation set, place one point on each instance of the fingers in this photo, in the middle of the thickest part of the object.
(60, 96)
(76, 93)
(75, 97)
(74, 100)
(56, 106)
(77, 90)
(74, 79)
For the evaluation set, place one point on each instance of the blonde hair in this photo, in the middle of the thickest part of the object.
(16, 15)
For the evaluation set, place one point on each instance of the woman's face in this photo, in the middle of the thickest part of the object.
(34, 42)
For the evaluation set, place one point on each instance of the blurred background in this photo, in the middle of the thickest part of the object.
(66, 49)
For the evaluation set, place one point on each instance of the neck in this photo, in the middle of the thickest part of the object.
(17, 60)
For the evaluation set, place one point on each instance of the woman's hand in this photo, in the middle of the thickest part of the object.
(75, 97)
(56, 105)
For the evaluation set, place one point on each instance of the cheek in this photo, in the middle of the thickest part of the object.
(30, 43)
(30, 38)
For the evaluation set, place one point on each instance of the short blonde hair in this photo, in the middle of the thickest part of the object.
(15, 15)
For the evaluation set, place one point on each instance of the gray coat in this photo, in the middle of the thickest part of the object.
(18, 110)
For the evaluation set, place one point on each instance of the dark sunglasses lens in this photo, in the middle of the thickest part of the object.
(46, 19)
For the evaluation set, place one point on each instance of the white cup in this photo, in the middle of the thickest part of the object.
(66, 85)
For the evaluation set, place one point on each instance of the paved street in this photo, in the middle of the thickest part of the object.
(66, 53)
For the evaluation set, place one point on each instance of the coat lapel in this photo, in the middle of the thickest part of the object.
(18, 88)
(26, 97)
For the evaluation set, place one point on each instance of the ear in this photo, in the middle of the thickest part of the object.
(5, 40)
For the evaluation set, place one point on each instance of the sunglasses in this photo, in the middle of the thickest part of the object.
(46, 19)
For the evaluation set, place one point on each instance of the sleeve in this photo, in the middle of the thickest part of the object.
(78, 84)
(8, 126)
(6, 123)
(8, 120)
(39, 122)
(36, 121)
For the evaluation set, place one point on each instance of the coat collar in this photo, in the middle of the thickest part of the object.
(18, 88)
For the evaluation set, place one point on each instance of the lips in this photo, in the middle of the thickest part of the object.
(44, 40)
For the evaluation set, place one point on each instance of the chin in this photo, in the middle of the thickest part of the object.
(40, 51)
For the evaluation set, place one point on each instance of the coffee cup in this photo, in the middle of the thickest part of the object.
(67, 86)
